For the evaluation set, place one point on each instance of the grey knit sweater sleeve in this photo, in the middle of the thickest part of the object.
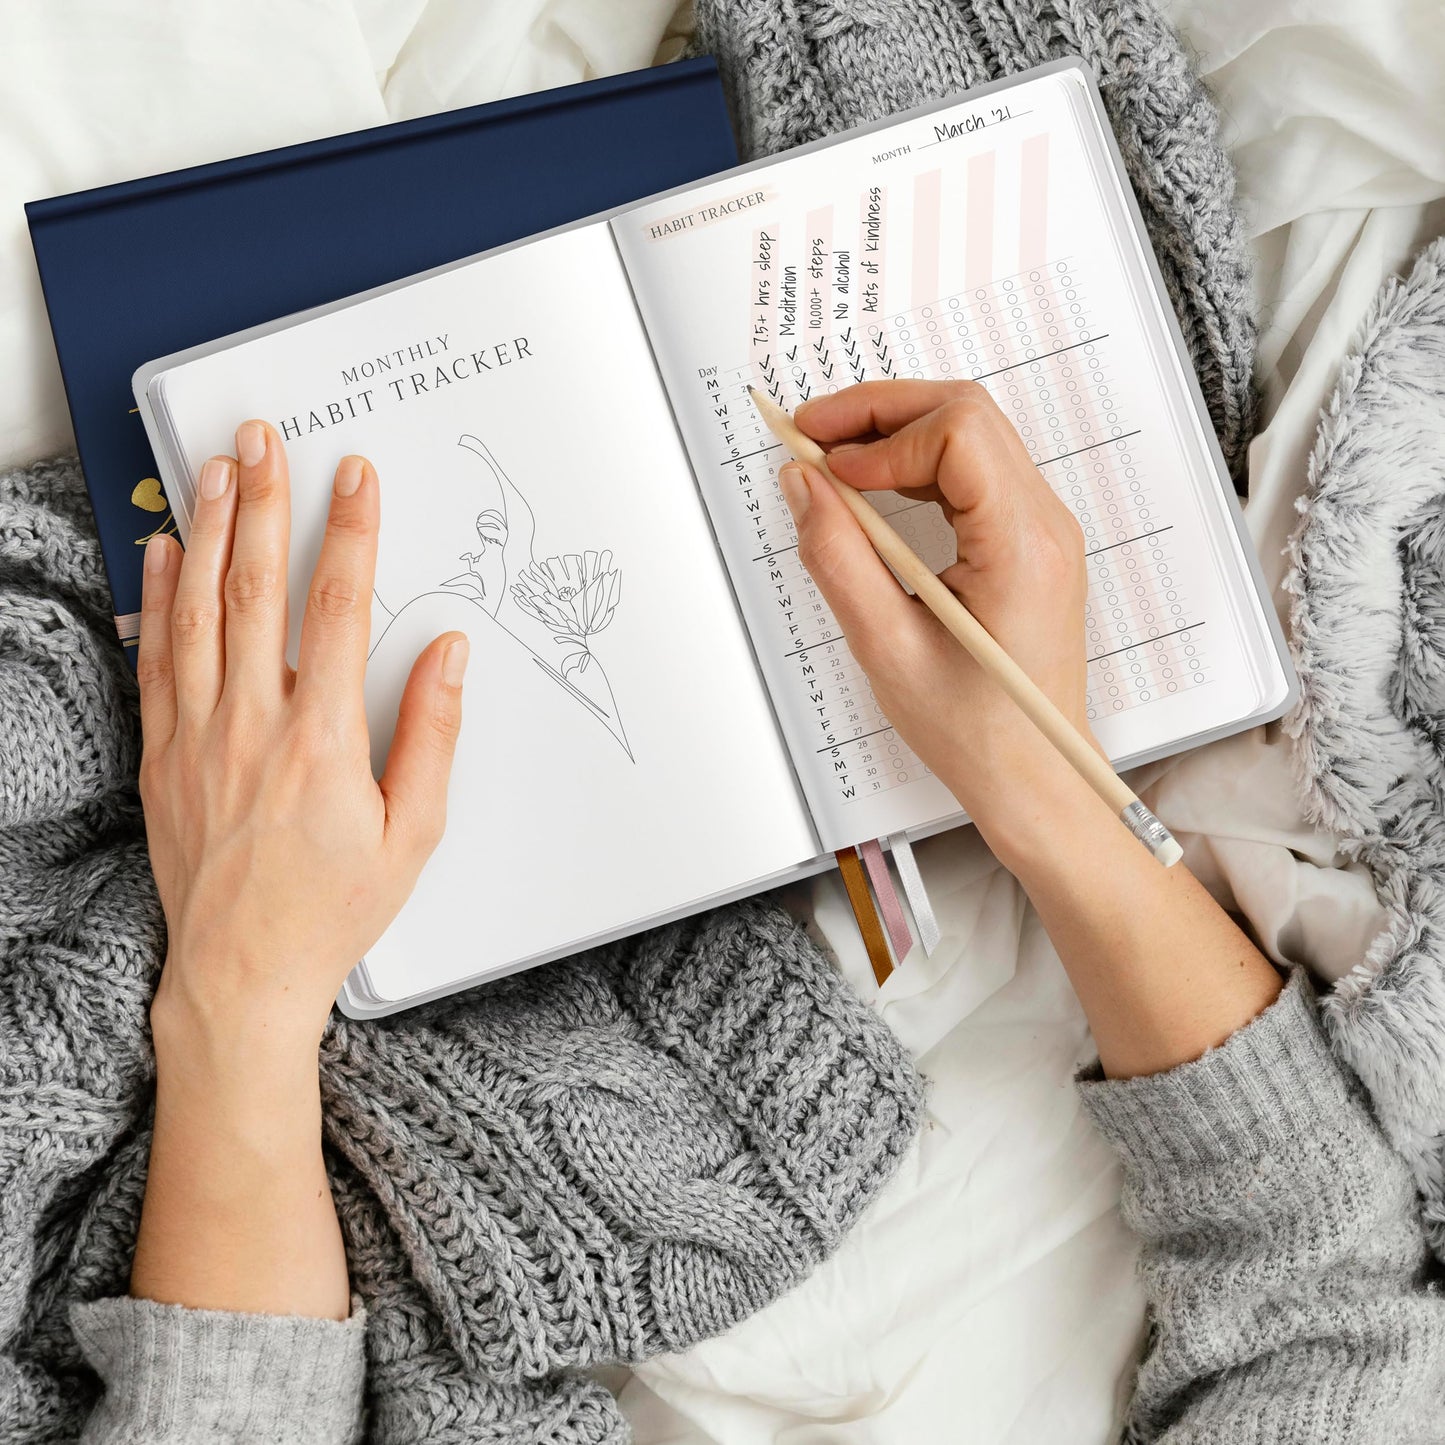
(176, 1376)
(1284, 1261)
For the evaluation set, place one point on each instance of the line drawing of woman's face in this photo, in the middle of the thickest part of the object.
(471, 536)
(490, 564)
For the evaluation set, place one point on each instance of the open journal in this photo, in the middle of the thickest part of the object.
(661, 713)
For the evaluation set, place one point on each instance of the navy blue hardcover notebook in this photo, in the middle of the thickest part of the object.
(147, 267)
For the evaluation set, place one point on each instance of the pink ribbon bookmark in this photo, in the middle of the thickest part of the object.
(899, 934)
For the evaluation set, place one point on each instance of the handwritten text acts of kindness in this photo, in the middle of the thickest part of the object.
(418, 369)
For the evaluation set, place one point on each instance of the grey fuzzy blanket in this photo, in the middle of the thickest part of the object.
(1368, 579)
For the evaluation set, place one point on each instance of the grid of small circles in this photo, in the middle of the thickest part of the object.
(1030, 340)
(1105, 490)
(925, 342)
(1133, 593)
(1061, 404)
(1138, 674)
(978, 332)
(1046, 391)
(1133, 597)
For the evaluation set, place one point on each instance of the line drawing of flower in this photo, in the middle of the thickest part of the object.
(569, 597)
(574, 596)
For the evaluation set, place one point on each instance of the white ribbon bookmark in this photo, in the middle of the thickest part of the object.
(915, 892)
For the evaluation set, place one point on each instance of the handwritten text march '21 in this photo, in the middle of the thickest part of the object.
(422, 369)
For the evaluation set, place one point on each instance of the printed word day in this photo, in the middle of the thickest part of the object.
(424, 367)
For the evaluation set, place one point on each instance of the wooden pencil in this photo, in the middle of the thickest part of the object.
(979, 642)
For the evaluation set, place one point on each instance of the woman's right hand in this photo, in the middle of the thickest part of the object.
(1161, 970)
(1020, 571)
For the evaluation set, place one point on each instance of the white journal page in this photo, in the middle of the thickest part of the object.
(974, 242)
(618, 755)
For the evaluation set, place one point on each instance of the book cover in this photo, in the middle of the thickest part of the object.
(672, 713)
(146, 267)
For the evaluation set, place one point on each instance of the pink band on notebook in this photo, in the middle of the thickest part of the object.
(900, 935)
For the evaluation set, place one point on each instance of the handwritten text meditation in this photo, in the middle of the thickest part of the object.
(417, 369)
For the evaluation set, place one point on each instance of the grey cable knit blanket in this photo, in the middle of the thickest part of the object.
(604, 1158)
(595, 1161)
(797, 70)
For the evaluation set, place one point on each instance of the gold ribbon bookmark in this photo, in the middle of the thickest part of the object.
(855, 880)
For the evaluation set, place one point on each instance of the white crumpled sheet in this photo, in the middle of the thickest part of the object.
(98, 91)
(989, 1296)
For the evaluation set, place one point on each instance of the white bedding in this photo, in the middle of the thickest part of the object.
(989, 1296)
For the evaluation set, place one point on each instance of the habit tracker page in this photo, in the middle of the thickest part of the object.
(977, 241)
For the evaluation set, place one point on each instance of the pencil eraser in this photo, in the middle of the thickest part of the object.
(1169, 852)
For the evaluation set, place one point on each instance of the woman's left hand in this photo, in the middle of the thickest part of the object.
(279, 858)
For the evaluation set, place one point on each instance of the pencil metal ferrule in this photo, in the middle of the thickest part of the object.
(1152, 833)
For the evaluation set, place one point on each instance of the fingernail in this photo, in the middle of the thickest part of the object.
(157, 553)
(796, 492)
(250, 443)
(847, 447)
(348, 476)
(454, 663)
(215, 478)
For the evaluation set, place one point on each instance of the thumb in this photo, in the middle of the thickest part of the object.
(419, 763)
(863, 594)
